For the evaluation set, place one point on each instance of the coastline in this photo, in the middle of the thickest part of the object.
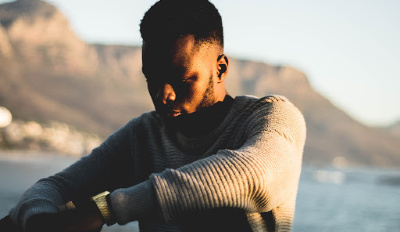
(32, 156)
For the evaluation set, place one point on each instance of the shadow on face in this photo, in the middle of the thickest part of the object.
(184, 76)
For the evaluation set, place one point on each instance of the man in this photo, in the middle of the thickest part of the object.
(203, 161)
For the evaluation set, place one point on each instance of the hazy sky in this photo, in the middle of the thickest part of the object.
(350, 50)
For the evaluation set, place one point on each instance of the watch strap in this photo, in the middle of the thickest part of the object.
(101, 202)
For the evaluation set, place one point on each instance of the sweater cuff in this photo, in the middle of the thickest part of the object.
(130, 204)
(21, 215)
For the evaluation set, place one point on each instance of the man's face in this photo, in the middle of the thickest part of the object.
(182, 76)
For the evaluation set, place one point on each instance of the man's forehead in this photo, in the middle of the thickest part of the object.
(179, 51)
(169, 45)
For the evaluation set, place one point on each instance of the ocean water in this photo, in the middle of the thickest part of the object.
(329, 200)
(353, 200)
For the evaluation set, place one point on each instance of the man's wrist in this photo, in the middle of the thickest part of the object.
(104, 207)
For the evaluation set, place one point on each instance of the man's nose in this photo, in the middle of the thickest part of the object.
(167, 93)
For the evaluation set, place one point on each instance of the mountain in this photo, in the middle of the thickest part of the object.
(394, 129)
(47, 73)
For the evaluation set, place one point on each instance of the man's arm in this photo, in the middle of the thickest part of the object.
(90, 175)
(257, 177)
(6, 224)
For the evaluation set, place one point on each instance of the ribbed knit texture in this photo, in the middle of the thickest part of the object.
(243, 176)
(131, 203)
(253, 163)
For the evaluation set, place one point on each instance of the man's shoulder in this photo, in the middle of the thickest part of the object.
(274, 113)
(267, 107)
(274, 98)
(257, 102)
(143, 121)
(147, 118)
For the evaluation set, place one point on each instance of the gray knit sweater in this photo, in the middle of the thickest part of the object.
(243, 176)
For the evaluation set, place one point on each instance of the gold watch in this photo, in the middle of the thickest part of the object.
(101, 202)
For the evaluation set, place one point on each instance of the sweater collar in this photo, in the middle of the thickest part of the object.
(203, 121)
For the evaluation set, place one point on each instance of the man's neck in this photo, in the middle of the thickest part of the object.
(203, 121)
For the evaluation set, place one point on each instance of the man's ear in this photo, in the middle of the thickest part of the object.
(223, 67)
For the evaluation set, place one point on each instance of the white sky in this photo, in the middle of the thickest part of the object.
(349, 49)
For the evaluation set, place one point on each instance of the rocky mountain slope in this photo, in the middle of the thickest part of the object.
(48, 73)
(394, 129)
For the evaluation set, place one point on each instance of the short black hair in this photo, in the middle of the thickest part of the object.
(168, 20)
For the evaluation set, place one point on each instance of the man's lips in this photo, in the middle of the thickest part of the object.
(168, 113)
(172, 113)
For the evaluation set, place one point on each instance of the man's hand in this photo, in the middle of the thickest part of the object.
(6, 224)
(84, 218)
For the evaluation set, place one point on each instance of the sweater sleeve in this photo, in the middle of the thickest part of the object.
(90, 175)
(256, 177)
